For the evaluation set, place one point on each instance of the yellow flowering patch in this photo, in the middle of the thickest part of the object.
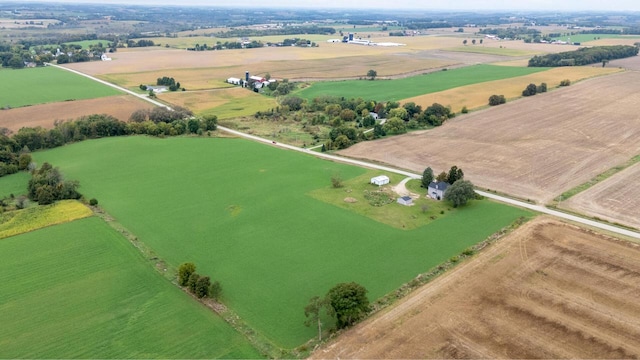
(36, 217)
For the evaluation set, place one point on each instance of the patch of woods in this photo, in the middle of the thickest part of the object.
(288, 30)
(47, 186)
(355, 120)
(584, 56)
(198, 285)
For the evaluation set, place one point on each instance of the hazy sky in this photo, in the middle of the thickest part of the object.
(573, 5)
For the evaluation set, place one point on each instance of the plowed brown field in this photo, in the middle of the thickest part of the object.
(45, 115)
(533, 148)
(616, 199)
(548, 290)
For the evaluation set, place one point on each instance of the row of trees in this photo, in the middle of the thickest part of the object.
(532, 89)
(286, 30)
(200, 286)
(14, 150)
(584, 56)
(346, 302)
(450, 177)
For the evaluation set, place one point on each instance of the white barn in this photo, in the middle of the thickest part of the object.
(380, 180)
(405, 200)
(234, 81)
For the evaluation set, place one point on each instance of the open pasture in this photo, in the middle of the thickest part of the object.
(477, 95)
(547, 291)
(45, 115)
(224, 103)
(616, 199)
(81, 290)
(601, 39)
(534, 148)
(241, 211)
(480, 49)
(48, 84)
(398, 89)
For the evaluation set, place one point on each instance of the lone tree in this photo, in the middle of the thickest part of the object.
(427, 177)
(371, 74)
(184, 272)
(497, 100)
(215, 290)
(348, 303)
(464, 42)
(312, 313)
(460, 193)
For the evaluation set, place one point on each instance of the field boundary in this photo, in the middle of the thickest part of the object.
(256, 339)
(596, 179)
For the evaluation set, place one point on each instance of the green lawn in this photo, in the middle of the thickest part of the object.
(242, 212)
(15, 184)
(584, 38)
(80, 290)
(394, 90)
(48, 84)
(87, 43)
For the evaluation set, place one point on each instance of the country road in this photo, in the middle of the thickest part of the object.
(506, 200)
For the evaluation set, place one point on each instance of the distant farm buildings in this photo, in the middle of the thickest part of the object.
(105, 57)
(254, 82)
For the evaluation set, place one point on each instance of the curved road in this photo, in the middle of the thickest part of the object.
(538, 208)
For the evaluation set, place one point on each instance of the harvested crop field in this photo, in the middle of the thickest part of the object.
(548, 290)
(630, 63)
(616, 199)
(45, 115)
(290, 62)
(477, 95)
(534, 148)
(224, 103)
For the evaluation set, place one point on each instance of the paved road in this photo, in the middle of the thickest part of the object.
(143, 97)
(503, 199)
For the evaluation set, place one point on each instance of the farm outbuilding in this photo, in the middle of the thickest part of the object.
(437, 189)
(405, 200)
(380, 180)
(234, 81)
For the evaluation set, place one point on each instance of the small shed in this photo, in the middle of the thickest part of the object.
(405, 200)
(380, 180)
(437, 189)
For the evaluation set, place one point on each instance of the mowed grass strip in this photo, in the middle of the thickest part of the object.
(394, 90)
(36, 217)
(15, 184)
(48, 84)
(240, 211)
(80, 290)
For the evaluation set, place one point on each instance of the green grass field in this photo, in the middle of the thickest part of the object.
(48, 84)
(15, 184)
(394, 90)
(584, 38)
(86, 43)
(80, 290)
(479, 49)
(242, 212)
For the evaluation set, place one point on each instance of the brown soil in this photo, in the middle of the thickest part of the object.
(533, 148)
(45, 115)
(616, 199)
(548, 290)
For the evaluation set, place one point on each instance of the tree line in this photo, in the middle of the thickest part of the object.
(584, 56)
(287, 30)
